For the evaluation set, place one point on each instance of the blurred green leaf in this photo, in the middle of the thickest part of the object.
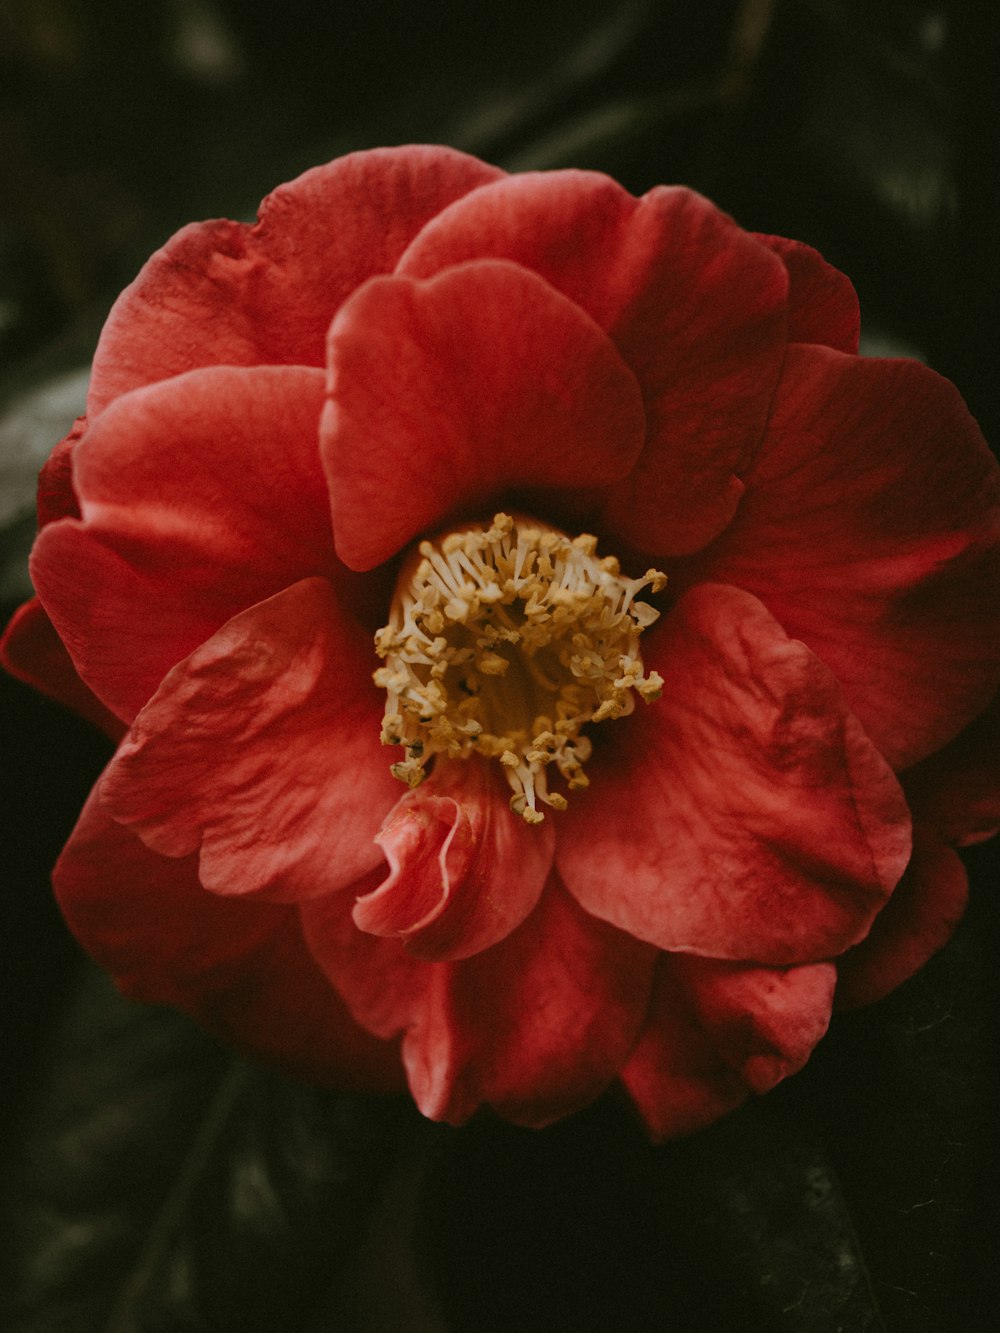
(162, 1183)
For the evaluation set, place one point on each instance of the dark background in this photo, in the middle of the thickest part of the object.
(154, 1182)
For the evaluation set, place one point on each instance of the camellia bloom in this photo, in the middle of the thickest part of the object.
(543, 653)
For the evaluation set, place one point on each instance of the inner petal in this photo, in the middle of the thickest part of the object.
(505, 640)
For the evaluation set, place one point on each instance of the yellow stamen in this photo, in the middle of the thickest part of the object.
(506, 641)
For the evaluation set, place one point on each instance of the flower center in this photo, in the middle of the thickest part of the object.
(505, 641)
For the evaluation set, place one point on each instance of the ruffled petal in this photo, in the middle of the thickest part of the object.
(745, 815)
(262, 750)
(870, 529)
(957, 790)
(240, 969)
(822, 303)
(199, 497)
(720, 1031)
(695, 305)
(463, 871)
(536, 1026)
(442, 393)
(917, 921)
(223, 293)
(32, 651)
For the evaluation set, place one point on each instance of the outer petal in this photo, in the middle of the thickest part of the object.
(822, 303)
(199, 498)
(746, 814)
(917, 921)
(32, 651)
(262, 749)
(463, 873)
(957, 790)
(695, 305)
(443, 393)
(239, 968)
(222, 293)
(719, 1031)
(537, 1026)
(871, 529)
(56, 496)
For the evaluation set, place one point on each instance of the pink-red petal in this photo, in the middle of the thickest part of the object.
(536, 1026)
(262, 751)
(443, 393)
(745, 814)
(718, 1032)
(463, 871)
(199, 497)
(223, 293)
(695, 305)
(822, 303)
(56, 496)
(240, 969)
(870, 529)
(32, 651)
(917, 921)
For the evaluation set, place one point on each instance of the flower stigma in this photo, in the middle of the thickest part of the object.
(505, 641)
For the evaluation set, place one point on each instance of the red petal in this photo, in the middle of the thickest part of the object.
(917, 921)
(957, 790)
(822, 303)
(262, 748)
(695, 305)
(241, 969)
(444, 392)
(536, 1026)
(720, 1031)
(464, 871)
(222, 293)
(32, 651)
(745, 815)
(56, 496)
(870, 529)
(200, 497)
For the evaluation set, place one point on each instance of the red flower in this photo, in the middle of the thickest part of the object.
(287, 421)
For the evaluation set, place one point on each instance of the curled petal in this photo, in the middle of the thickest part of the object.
(746, 811)
(536, 1026)
(463, 873)
(822, 303)
(262, 750)
(695, 305)
(917, 921)
(443, 393)
(199, 498)
(240, 969)
(717, 1032)
(870, 530)
(222, 293)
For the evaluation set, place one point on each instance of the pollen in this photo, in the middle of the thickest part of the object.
(506, 641)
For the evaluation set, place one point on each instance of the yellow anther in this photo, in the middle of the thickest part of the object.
(570, 626)
(492, 664)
